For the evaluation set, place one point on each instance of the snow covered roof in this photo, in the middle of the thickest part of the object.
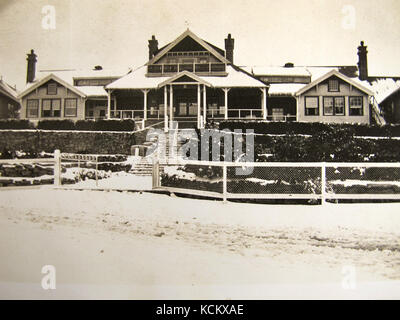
(8, 91)
(284, 89)
(336, 73)
(93, 91)
(69, 75)
(138, 80)
(383, 88)
(66, 78)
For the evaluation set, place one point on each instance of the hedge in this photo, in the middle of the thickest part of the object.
(16, 124)
(83, 125)
(310, 128)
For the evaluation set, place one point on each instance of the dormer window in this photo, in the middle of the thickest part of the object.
(52, 88)
(333, 85)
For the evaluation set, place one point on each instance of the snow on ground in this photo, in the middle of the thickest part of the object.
(117, 181)
(131, 245)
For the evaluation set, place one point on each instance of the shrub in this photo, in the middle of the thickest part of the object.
(16, 124)
(88, 125)
(56, 125)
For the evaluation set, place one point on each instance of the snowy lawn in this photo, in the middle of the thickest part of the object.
(131, 245)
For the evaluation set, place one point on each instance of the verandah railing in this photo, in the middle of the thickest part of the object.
(279, 180)
(212, 112)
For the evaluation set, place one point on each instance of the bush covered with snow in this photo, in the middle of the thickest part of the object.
(331, 145)
(309, 128)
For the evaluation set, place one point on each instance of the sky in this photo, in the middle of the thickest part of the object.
(115, 33)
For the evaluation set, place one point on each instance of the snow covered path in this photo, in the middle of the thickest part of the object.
(129, 245)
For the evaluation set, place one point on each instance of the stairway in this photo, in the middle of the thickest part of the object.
(376, 114)
(144, 166)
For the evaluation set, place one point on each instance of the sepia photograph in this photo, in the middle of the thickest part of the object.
(223, 150)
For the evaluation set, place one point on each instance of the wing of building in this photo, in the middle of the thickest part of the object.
(66, 94)
(9, 103)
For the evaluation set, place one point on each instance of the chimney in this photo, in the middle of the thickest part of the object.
(362, 62)
(153, 47)
(31, 70)
(229, 45)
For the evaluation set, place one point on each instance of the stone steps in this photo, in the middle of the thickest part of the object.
(144, 167)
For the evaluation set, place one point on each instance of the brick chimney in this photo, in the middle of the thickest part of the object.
(362, 62)
(31, 70)
(229, 45)
(153, 47)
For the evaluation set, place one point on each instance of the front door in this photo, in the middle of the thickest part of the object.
(185, 104)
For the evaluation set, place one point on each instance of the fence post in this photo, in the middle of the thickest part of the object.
(155, 173)
(57, 167)
(323, 183)
(224, 183)
(96, 174)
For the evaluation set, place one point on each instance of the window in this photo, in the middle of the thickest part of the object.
(328, 106)
(51, 108)
(333, 85)
(356, 106)
(334, 106)
(312, 106)
(52, 88)
(32, 108)
(70, 108)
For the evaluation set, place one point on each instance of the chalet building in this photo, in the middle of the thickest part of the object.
(339, 94)
(9, 103)
(193, 82)
(189, 81)
(65, 94)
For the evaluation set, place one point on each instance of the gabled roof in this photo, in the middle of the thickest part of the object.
(340, 76)
(51, 76)
(8, 91)
(201, 42)
(187, 74)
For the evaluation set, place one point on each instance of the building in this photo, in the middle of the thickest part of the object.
(193, 82)
(189, 81)
(65, 94)
(9, 103)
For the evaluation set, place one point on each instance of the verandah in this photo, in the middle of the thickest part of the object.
(193, 102)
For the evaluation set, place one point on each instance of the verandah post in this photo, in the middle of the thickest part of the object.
(57, 168)
(226, 90)
(165, 109)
